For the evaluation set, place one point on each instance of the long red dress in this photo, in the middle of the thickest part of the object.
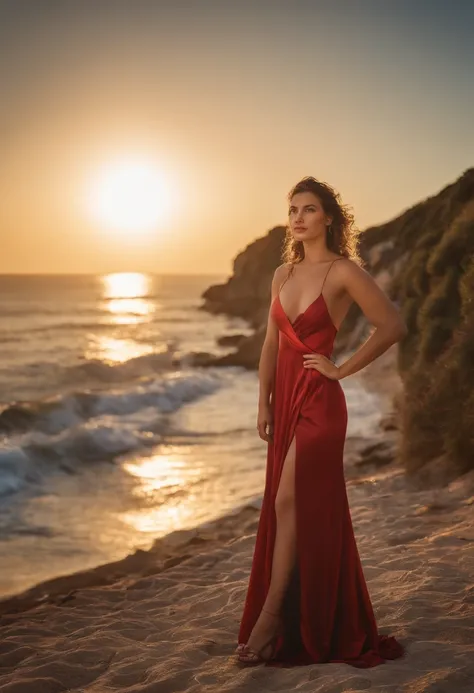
(327, 612)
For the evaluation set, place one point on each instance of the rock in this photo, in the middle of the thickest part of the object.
(200, 358)
(422, 259)
(246, 293)
(247, 354)
(436, 473)
(389, 422)
(231, 339)
(194, 358)
(376, 454)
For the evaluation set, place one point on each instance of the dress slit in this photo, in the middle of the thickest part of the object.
(290, 611)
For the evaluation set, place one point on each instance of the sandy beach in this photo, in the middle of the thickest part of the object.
(166, 619)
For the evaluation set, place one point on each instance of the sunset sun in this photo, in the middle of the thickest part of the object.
(128, 196)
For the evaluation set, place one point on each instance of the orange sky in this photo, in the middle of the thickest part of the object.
(232, 106)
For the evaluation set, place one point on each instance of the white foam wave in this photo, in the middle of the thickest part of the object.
(96, 426)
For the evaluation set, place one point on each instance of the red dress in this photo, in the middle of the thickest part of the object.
(327, 612)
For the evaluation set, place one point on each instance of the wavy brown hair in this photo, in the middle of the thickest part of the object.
(342, 237)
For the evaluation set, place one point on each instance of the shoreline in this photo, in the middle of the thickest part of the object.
(363, 457)
(361, 453)
(166, 552)
(167, 619)
(170, 623)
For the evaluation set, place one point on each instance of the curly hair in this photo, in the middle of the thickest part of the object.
(342, 238)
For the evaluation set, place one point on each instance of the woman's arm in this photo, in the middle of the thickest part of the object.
(269, 353)
(379, 311)
(377, 308)
(267, 363)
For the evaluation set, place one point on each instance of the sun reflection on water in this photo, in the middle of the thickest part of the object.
(161, 520)
(126, 285)
(110, 350)
(126, 298)
(156, 473)
(164, 480)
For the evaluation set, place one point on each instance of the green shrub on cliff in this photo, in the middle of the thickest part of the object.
(437, 357)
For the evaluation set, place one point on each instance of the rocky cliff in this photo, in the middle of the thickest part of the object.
(423, 259)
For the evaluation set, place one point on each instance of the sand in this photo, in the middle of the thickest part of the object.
(166, 620)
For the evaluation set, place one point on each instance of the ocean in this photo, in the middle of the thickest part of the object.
(106, 444)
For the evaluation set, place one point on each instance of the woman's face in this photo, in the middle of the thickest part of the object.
(306, 217)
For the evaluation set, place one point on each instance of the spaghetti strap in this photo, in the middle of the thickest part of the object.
(290, 270)
(329, 269)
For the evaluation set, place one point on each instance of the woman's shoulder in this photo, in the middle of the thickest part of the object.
(283, 270)
(347, 264)
(349, 271)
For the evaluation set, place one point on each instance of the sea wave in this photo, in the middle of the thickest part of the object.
(115, 372)
(54, 414)
(69, 430)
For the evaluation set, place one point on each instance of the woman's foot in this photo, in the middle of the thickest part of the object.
(261, 644)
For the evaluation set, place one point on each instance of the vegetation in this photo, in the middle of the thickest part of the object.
(436, 360)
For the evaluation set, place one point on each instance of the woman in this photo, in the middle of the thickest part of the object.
(307, 599)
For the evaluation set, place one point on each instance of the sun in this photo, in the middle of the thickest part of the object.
(128, 196)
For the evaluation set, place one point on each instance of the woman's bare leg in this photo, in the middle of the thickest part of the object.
(284, 553)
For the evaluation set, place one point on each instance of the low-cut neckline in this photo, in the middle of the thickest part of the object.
(292, 324)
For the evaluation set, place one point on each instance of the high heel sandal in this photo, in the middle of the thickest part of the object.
(248, 656)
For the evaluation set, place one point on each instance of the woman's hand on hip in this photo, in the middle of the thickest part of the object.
(322, 364)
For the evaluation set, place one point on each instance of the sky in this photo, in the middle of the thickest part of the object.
(226, 105)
